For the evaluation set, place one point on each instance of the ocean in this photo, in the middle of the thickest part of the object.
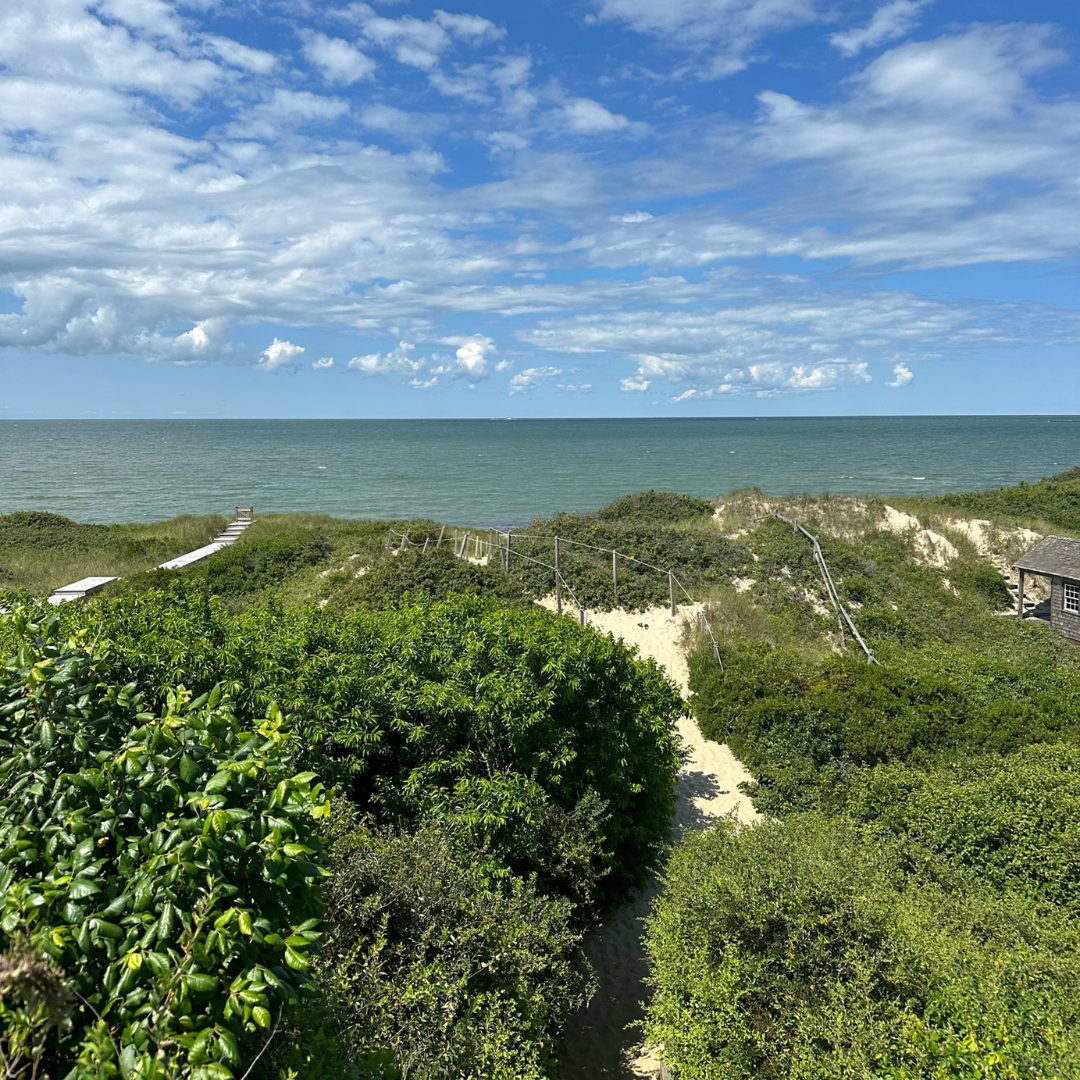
(500, 472)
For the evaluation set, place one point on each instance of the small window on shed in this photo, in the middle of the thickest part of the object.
(1072, 597)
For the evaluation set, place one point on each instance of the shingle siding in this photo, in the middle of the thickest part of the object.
(1065, 621)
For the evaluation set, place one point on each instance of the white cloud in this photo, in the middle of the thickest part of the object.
(891, 21)
(636, 218)
(472, 359)
(240, 56)
(279, 354)
(902, 375)
(324, 363)
(397, 360)
(721, 34)
(631, 383)
(531, 377)
(588, 117)
(338, 60)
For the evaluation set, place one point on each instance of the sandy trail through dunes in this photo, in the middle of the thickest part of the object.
(596, 1043)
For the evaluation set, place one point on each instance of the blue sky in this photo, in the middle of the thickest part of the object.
(540, 208)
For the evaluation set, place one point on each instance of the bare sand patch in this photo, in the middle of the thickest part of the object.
(596, 1042)
(930, 546)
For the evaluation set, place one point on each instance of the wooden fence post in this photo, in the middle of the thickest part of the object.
(615, 574)
(509, 541)
(558, 580)
(671, 588)
(438, 543)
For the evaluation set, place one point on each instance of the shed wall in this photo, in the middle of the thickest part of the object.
(1065, 621)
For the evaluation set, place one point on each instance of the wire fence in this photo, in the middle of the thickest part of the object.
(495, 544)
(842, 614)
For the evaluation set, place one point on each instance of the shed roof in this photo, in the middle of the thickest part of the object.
(1056, 555)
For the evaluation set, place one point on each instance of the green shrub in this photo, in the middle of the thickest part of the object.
(800, 725)
(252, 566)
(552, 746)
(458, 974)
(1012, 822)
(44, 531)
(166, 863)
(417, 576)
(801, 949)
(655, 507)
(1054, 499)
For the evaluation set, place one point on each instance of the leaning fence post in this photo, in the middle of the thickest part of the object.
(558, 579)
(427, 540)
(615, 574)
(671, 588)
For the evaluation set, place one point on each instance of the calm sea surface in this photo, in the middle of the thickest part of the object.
(500, 472)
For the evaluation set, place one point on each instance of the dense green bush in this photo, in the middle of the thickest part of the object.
(417, 576)
(165, 862)
(42, 530)
(798, 949)
(1012, 822)
(656, 508)
(800, 724)
(458, 973)
(252, 566)
(550, 745)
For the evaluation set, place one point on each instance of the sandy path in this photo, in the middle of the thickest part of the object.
(596, 1043)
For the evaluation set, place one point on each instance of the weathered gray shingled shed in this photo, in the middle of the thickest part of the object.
(1057, 558)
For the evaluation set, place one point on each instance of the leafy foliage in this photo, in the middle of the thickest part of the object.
(459, 974)
(417, 576)
(552, 747)
(655, 508)
(167, 863)
(797, 949)
(40, 529)
(1012, 822)
(251, 567)
(801, 726)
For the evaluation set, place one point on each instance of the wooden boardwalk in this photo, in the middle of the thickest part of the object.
(84, 587)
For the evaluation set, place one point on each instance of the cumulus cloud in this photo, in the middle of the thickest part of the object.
(472, 359)
(531, 377)
(902, 375)
(338, 60)
(588, 117)
(889, 22)
(631, 383)
(396, 360)
(279, 354)
(324, 363)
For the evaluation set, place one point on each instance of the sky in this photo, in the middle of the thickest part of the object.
(232, 208)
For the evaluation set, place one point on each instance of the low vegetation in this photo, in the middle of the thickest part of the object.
(908, 907)
(163, 841)
(40, 552)
(324, 806)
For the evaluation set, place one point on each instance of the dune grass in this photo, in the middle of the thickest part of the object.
(41, 552)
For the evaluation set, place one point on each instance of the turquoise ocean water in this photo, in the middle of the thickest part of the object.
(500, 472)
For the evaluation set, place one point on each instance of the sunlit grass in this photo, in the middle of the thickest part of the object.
(118, 550)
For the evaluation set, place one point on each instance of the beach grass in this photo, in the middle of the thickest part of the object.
(40, 553)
